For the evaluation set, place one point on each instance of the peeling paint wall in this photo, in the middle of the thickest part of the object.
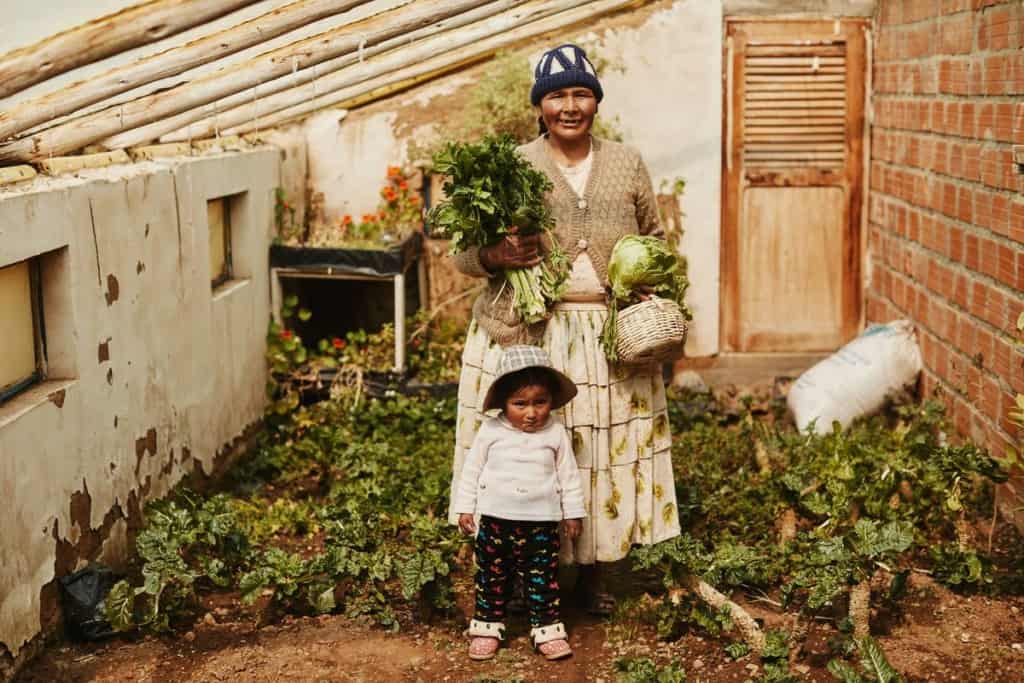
(151, 371)
(669, 103)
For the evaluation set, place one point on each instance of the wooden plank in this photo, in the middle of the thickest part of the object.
(112, 34)
(776, 147)
(149, 152)
(838, 130)
(396, 81)
(16, 174)
(776, 50)
(826, 78)
(804, 62)
(165, 128)
(410, 54)
(805, 177)
(72, 98)
(794, 155)
(815, 115)
(776, 70)
(755, 88)
(781, 139)
(84, 130)
(61, 165)
(768, 120)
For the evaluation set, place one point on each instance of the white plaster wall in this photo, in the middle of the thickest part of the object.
(185, 363)
(668, 100)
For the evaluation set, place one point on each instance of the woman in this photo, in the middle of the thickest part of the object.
(618, 419)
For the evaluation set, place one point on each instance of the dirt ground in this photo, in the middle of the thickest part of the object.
(936, 636)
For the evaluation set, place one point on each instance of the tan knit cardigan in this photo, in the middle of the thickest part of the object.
(617, 200)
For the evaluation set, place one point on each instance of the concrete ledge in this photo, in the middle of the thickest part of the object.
(229, 143)
(49, 391)
(749, 368)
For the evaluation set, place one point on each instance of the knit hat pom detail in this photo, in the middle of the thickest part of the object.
(564, 67)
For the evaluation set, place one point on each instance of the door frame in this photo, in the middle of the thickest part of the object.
(859, 148)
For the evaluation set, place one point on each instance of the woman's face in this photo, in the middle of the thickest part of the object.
(569, 113)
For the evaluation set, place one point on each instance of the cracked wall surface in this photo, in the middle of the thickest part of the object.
(151, 370)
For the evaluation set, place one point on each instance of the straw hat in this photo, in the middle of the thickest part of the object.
(520, 357)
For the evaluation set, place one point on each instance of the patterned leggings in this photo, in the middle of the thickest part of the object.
(526, 549)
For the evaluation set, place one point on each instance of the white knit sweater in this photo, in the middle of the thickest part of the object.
(521, 476)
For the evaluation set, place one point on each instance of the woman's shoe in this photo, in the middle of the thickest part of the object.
(486, 638)
(555, 649)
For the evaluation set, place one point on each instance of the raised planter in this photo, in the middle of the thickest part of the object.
(370, 262)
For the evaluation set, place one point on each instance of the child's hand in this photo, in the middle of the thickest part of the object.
(573, 527)
(467, 524)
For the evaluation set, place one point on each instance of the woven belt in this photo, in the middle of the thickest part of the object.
(580, 306)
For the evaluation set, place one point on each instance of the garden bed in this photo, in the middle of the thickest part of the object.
(365, 486)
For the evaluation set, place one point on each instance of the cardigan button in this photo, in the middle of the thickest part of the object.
(583, 244)
(582, 203)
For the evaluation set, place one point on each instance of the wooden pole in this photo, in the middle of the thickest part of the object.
(368, 91)
(169, 63)
(112, 34)
(160, 129)
(84, 130)
(361, 72)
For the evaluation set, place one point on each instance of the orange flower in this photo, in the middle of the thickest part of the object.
(369, 218)
(415, 200)
(394, 171)
(346, 219)
(286, 334)
(389, 194)
(403, 185)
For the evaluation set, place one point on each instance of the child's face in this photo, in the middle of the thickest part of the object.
(528, 408)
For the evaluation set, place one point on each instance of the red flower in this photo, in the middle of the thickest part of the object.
(338, 343)
(369, 218)
(403, 185)
(346, 219)
(286, 334)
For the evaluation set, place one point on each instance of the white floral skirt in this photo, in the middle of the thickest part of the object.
(620, 433)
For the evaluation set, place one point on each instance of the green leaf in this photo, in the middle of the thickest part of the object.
(119, 607)
(845, 673)
(874, 661)
(305, 314)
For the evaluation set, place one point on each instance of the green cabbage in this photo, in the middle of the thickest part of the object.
(641, 264)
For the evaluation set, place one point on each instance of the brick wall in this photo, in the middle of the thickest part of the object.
(946, 236)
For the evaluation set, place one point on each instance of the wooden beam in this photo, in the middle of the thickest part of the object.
(84, 130)
(425, 70)
(160, 129)
(365, 71)
(174, 149)
(112, 34)
(59, 165)
(72, 98)
(16, 174)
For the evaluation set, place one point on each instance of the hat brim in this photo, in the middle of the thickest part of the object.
(565, 390)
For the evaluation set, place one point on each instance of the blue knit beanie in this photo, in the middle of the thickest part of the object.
(563, 67)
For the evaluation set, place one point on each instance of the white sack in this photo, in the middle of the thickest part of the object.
(856, 379)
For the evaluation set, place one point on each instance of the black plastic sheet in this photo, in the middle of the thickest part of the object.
(372, 262)
(83, 595)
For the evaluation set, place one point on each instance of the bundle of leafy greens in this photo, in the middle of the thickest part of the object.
(492, 192)
(641, 264)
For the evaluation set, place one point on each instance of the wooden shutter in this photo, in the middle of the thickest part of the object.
(792, 184)
(794, 109)
(18, 350)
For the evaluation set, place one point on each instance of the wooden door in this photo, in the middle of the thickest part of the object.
(792, 184)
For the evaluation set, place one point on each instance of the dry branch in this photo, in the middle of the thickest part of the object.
(752, 634)
(353, 74)
(168, 63)
(100, 38)
(387, 84)
(860, 608)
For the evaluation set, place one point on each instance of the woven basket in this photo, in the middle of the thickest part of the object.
(652, 331)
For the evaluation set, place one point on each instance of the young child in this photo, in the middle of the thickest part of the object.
(520, 477)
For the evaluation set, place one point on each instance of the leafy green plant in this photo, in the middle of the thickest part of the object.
(492, 192)
(874, 666)
(645, 670)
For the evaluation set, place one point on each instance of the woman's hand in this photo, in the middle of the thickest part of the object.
(512, 252)
(573, 528)
(643, 292)
(467, 524)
